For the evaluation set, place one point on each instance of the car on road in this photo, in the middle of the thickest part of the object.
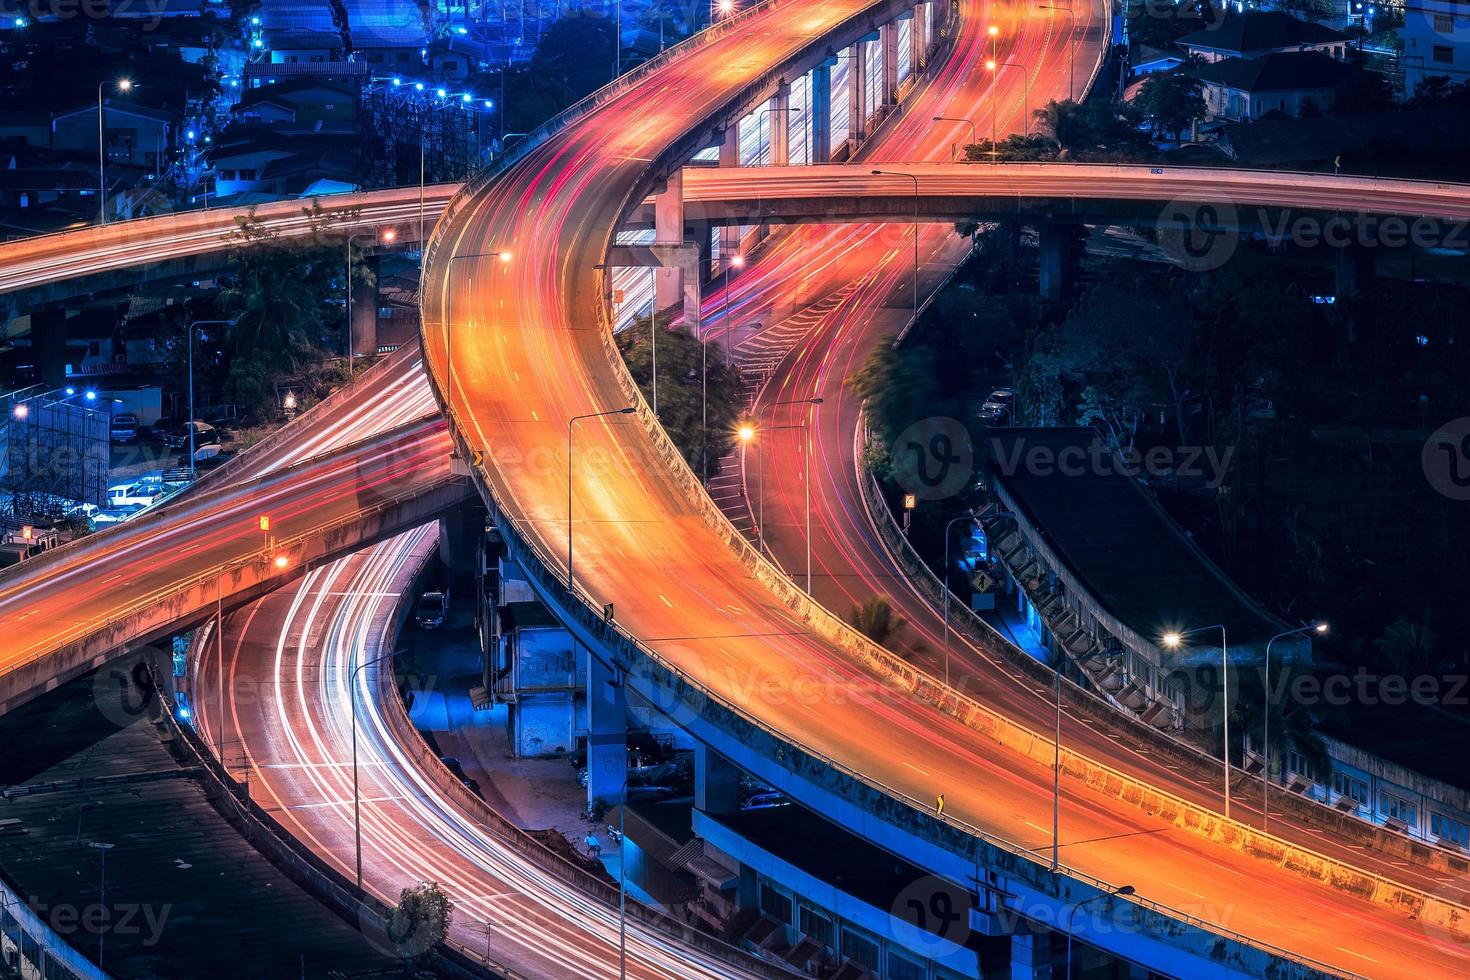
(124, 427)
(1005, 396)
(432, 610)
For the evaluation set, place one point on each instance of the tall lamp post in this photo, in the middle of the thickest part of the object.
(1319, 627)
(193, 466)
(736, 262)
(948, 530)
(1071, 913)
(102, 896)
(356, 797)
(760, 454)
(1173, 642)
(123, 85)
(958, 119)
(571, 423)
(994, 68)
(900, 173)
(1072, 48)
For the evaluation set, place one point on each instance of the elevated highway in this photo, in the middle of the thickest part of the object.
(709, 631)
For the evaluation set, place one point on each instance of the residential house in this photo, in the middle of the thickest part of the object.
(1260, 33)
(1436, 39)
(1243, 89)
(137, 135)
(254, 160)
(307, 103)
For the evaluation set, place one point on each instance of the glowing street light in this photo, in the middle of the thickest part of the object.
(1173, 640)
(1320, 628)
(281, 561)
(123, 85)
(21, 411)
(571, 424)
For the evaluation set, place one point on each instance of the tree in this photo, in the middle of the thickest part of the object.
(1014, 149)
(680, 403)
(1084, 130)
(898, 386)
(1362, 91)
(1171, 101)
(420, 922)
(1314, 10)
(875, 619)
(1408, 646)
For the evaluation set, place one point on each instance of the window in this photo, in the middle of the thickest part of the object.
(815, 925)
(1449, 830)
(903, 968)
(860, 949)
(1355, 789)
(1396, 809)
(1297, 763)
(775, 904)
(1444, 24)
(1444, 54)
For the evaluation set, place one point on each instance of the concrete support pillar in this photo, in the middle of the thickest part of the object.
(1030, 957)
(1059, 257)
(668, 229)
(888, 48)
(1354, 271)
(730, 145)
(821, 113)
(607, 734)
(457, 534)
(48, 345)
(365, 306)
(857, 94)
(716, 782)
(778, 126)
(918, 43)
(704, 242)
(668, 211)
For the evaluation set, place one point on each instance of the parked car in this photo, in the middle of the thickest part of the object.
(177, 437)
(139, 494)
(1006, 396)
(432, 609)
(124, 427)
(994, 413)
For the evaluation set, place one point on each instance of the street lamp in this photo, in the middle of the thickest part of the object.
(1173, 642)
(123, 85)
(1072, 48)
(948, 529)
(193, 465)
(357, 797)
(745, 433)
(958, 119)
(735, 263)
(1320, 628)
(899, 173)
(102, 896)
(806, 453)
(571, 422)
(1121, 890)
(993, 67)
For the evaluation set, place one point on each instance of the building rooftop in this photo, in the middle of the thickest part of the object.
(1281, 72)
(1259, 32)
(1107, 529)
(1424, 131)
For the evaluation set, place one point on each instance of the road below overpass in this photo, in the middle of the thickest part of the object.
(528, 352)
(288, 662)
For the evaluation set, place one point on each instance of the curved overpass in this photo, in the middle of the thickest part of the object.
(519, 351)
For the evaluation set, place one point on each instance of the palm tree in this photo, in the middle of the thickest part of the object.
(875, 620)
(1408, 646)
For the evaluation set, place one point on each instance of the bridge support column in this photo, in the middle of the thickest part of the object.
(821, 113)
(888, 46)
(668, 230)
(1059, 256)
(730, 145)
(918, 43)
(857, 94)
(778, 126)
(716, 782)
(365, 306)
(1031, 956)
(607, 734)
(48, 342)
(1355, 265)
